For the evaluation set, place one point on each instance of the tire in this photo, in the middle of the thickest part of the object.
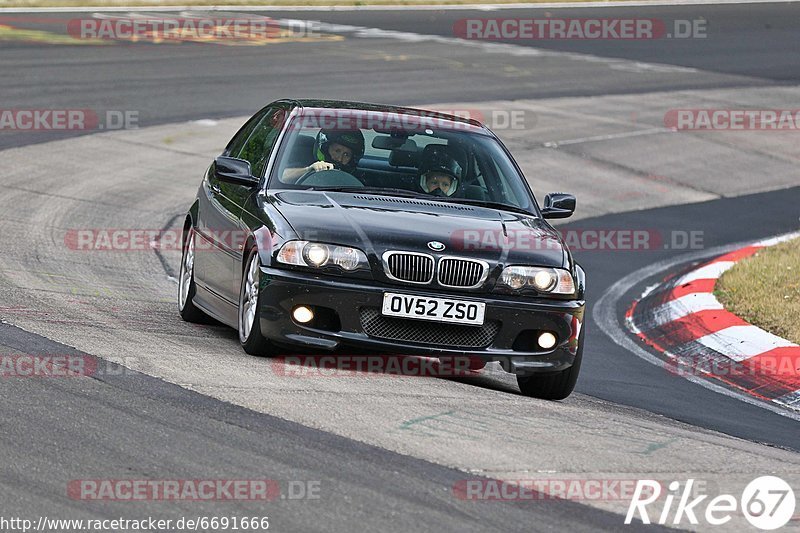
(553, 385)
(186, 287)
(249, 313)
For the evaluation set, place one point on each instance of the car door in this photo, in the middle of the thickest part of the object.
(257, 152)
(219, 248)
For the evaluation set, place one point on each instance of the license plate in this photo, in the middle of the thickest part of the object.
(435, 309)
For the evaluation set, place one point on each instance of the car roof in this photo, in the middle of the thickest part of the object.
(317, 104)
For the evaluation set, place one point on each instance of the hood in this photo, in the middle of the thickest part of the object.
(376, 224)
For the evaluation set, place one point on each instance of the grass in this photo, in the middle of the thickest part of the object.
(765, 290)
(245, 3)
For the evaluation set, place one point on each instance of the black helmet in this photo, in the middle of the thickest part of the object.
(437, 158)
(352, 139)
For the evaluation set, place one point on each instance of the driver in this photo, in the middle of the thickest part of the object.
(439, 172)
(340, 150)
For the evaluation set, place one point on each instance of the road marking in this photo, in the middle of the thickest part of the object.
(790, 399)
(610, 136)
(710, 271)
(604, 315)
(776, 240)
(488, 47)
(379, 33)
(743, 342)
(716, 339)
(685, 305)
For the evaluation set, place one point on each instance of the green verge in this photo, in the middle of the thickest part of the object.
(245, 3)
(765, 290)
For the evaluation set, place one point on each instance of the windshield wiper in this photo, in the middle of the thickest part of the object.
(372, 190)
(487, 204)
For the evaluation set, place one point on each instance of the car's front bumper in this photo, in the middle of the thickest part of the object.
(353, 300)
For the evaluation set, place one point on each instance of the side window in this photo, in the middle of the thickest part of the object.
(235, 145)
(502, 181)
(262, 140)
(474, 171)
(490, 177)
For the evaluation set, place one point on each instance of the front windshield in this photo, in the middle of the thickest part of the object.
(419, 157)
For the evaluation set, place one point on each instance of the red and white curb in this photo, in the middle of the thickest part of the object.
(682, 320)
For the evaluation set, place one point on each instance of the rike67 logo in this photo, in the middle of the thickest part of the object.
(767, 502)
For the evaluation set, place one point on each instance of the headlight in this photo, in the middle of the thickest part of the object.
(317, 255)
(545, 280)
(347, 258)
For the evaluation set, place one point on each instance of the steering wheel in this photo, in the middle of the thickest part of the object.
(329, 178)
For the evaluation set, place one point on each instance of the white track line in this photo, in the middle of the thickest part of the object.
(610, 136)
(791, 399)
(777, 240)
(515, 50)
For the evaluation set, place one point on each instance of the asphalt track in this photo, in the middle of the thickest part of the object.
(170, 432)
(723, 222)
(745, 46)
(137, 425)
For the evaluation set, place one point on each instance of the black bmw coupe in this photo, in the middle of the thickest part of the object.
(329, 225)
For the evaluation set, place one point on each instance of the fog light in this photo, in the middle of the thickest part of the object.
(303, 314)
(547, 340)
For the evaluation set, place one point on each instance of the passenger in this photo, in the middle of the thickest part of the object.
(439, 172)
(340, 150)
(438, 180)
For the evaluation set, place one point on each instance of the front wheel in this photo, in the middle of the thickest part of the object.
(553, 385)
(250, 336)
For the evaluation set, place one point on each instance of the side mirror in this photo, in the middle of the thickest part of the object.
(232, 170)
(558, 205)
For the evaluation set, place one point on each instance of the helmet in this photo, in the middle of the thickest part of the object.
(438, 159)
(352, 139)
